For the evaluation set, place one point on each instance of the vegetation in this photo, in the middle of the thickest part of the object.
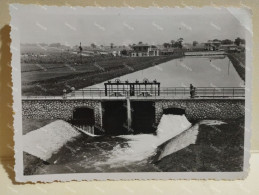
(51, 75)
(217, 149)
(29, 125)
(174, 44)
(31, 163)
(238, 61)
(239, 41)
(93, 45)
(194, 43)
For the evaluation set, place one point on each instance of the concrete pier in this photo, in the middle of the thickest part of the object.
(129, 117)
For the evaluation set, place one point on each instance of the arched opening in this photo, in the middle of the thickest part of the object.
(175, 111)
(84, 119)
(84, 115)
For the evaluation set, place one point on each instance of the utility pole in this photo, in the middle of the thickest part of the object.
(80, 51)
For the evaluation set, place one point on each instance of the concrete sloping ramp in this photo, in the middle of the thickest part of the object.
(47, 140)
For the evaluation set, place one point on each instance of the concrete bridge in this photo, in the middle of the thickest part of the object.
(120, 113)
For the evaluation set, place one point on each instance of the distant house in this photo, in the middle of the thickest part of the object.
(212, 45)
(199, 47)
(167, 51)
(141, 50)
(187, 46)
(229, 48)
(116, 52)
(191, 47)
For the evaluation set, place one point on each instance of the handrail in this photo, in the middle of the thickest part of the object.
(169, 92)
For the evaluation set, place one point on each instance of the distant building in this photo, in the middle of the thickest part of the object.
(187, 46)
(191, 47)
(167, 51)
(199, 47)
(212, 45)
(116, 52)
(141, 50)
(229, 48)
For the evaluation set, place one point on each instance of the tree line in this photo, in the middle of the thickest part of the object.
(179, 43)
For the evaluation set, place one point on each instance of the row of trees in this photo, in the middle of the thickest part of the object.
(94, 46)
(179, 43)
(237, 41)
(174, 44)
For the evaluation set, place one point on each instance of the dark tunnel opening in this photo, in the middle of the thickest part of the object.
(83, 116)
(175, 111)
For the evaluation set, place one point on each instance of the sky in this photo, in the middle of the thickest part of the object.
(123, 26)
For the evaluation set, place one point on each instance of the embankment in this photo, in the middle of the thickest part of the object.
(238, 61)
(218, 148)
(54, 81)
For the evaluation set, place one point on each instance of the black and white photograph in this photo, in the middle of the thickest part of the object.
(131, 93)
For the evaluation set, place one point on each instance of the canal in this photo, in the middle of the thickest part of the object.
(215, 71)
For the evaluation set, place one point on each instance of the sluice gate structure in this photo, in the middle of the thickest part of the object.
(134, 107)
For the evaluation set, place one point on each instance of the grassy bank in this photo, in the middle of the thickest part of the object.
(51, 79)
(217, 149)
(238, 61)
(29, 125)
(31, 163)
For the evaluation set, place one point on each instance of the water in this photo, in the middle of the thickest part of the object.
(216, 71)
(142, 146)
(105, 153)
(133, 153)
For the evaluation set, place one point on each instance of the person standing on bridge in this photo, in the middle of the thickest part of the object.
(192, 91)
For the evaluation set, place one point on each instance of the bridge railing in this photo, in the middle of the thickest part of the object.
(42, 97)
(201, 92)
(165, 92)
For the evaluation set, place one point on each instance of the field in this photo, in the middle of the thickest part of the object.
(52, 73)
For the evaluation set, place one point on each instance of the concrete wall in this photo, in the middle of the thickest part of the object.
(196, 109)
(59, 109)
